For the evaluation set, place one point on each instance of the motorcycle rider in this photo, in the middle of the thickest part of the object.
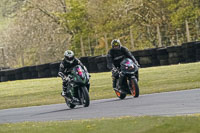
(114, 57)
(65, 68)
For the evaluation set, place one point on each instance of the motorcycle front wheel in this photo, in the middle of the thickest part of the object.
(134, 88)
(84, 97)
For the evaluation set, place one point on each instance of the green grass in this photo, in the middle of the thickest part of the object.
(47, 91)
(142, 124)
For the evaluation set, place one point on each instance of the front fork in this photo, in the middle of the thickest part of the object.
(131, 85)
(80, 95)
(120, 81)
(127, 80)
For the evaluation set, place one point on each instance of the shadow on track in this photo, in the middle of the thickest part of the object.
(112, 100)
(55, 111)
(98, 102)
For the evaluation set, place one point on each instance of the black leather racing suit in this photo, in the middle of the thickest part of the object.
(114, 58)
(65, 68)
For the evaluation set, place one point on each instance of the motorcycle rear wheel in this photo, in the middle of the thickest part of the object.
(134, 88)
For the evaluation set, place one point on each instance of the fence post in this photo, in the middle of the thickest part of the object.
(187, 31)
(96, 43)
(132, 40)
(106, 42)
(177, 37)
(159, 36)
(89, 46)
(4, 58)
(82, 47)
(197, 29)
(22, 56)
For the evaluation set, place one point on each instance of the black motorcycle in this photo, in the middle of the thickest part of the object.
(77, 86)
(127, 75)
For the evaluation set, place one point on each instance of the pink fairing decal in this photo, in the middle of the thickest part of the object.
(127, 63)
(79, 71)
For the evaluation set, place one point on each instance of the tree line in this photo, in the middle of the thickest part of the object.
(40, 31)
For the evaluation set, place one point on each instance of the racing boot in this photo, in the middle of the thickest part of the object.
(137, 76)
(72, 99)
(75, 100)
(114, 83)
(63, 93)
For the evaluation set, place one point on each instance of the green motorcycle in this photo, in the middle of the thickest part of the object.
(79, 87)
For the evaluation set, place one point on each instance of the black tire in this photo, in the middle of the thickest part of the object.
(134, 88)
(70, 105)
(85, 97)
(120, 95)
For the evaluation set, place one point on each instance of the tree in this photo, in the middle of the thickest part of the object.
(42, 30)
(36, 35)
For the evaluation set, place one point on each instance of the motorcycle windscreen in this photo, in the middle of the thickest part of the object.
(79, 74)
(128, 66)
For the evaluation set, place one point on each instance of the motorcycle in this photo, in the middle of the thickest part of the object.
(77, 86)
(127, 77)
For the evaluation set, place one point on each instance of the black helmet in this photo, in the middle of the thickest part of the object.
(69, 56)
(116, 44)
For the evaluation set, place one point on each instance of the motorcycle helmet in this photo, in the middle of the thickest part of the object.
(69, 56)
(116, 44)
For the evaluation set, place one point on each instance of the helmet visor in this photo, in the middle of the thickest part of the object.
(69, 58)
(116, 45)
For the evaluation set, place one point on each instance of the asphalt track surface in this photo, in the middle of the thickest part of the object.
(162, 104)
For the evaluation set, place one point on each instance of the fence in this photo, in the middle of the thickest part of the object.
(185, 53)
(134, 37)
(150, 36)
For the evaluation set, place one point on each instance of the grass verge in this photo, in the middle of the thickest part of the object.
(47, 91)
(142, 124)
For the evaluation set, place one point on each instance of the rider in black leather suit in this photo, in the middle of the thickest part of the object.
(65, 68)
(115, 55)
